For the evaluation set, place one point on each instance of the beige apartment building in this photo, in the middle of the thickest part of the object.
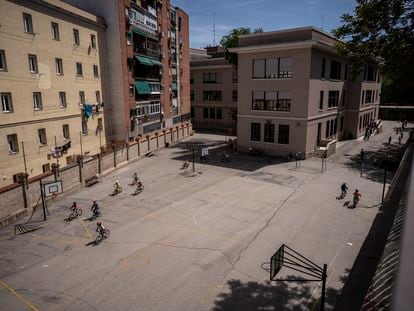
(51, 74)
(295, 92)
(213, 90)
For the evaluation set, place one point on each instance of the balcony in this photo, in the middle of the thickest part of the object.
(141, 26)
(153, 53)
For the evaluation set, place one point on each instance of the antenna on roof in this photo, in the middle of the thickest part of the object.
(322, 22)
(214, 29)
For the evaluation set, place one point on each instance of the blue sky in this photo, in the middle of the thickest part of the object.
(268, 14)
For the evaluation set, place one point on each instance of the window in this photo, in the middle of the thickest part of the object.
(235, 77)
(255, 132)
(84, 126)
(98, 97)
(343, 97)
(131, 90)
(59, 66)
(321, 100)
(283, 134)
(191, 80)
(76, 40)
(33, 63)
(205, 113)
(219, 113)
(258, 69)
(6, 102)
(285, 67)
(341, 126)
(323, 68)
(27, 23)
(234, 96)
(212, 77)
(271, 68)
(212, 113)
(37, 101)
(3, 64)
(46, 167)
(93, 41)
(368, 97)
(271, 101)
(192, 95)
(333, 99)
(363, 98)
(269, 132)
(335, 70)
(65, 129)
(42, 136)
(82, 98)
(100, 124)
(79, 71)
(12, 143)
(369, 73)
(62, 100)
(192, 112)
(55, 31)
(212, 95)
(95, 71)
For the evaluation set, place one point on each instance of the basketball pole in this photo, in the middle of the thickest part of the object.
(43, 200)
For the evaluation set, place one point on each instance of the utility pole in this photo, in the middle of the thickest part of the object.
(26, 184)
(80, 135)
(57, 161)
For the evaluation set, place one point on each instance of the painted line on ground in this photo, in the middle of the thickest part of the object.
(32, 307)
(86, 228)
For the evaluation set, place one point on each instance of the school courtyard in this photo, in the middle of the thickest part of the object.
(199, 240)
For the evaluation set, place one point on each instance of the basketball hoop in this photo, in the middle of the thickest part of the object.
(54, 196)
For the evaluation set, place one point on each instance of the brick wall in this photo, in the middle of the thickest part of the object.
(11, 196)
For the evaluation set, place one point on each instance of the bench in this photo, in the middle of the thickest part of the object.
(91, 181)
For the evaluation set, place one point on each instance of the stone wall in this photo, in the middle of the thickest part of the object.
(74, 175)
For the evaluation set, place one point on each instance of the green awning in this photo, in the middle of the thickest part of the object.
(174, 86)
(142, 87)
(156, 62)
(145, 34)
(144, 60)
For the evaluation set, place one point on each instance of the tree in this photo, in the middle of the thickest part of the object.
(232, 41)
(381, 32)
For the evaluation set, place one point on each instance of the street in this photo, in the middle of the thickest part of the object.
(198, 241)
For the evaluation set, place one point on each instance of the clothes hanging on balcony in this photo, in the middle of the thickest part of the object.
(87, 110)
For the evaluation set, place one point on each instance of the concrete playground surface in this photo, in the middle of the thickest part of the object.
(197, 241)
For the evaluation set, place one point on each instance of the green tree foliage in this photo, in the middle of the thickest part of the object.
(232, 41)
(381, 32)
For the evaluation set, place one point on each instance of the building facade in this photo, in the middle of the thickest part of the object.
(51, 74)
(147, 44)
(295, 92)
(213, 90)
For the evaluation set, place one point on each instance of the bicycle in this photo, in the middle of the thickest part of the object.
(117, 190)
(102, 235)
(75, 214)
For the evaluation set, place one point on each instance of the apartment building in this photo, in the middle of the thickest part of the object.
(296, 93)
(147, 44)
(213, 90)
(51, 75)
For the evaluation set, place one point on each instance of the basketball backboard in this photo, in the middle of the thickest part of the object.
(51, 188)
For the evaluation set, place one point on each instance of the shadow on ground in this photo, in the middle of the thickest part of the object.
(274, 296)
(373, 160)
(216, 157)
